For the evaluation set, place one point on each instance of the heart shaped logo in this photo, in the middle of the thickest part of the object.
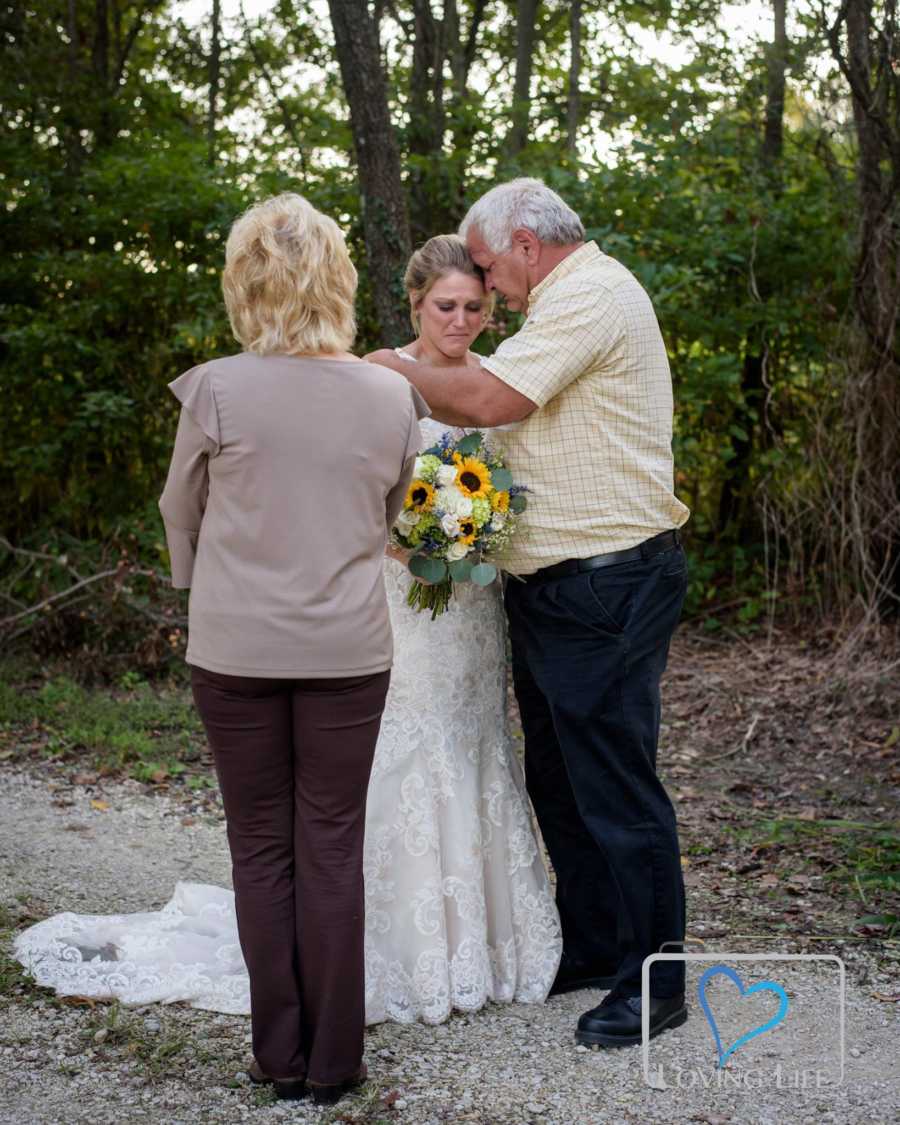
(762, 986)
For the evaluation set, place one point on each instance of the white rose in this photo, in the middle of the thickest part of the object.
(450, 526)
(406, 521)
(446, 474)
(457, 551)
(450, 499)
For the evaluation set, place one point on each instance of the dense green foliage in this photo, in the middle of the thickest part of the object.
(117, 198)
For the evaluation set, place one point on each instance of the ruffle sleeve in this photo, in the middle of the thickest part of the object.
(194, 390)
(420, 410)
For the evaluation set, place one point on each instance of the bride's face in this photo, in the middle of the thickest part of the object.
(451, 314)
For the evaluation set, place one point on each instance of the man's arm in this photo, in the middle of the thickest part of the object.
(460, 396)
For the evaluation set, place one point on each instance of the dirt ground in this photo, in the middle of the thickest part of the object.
(783, 759)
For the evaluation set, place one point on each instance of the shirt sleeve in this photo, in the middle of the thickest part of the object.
(419, 409)
(567, 333)
(183, 501)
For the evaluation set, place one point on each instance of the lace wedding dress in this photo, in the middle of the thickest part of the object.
(458, 906)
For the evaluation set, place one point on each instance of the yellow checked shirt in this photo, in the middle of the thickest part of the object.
(597, 453)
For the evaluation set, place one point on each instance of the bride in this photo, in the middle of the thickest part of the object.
(458, 905)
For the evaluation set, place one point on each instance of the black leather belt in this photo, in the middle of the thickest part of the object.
(646, 550)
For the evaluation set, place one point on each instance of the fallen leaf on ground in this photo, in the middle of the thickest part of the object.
(78, 1001)
(100, 806)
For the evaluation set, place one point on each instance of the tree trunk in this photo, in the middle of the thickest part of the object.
(460, 118)
(215, 52)
(105, 131)
(427, 172)
(873, 388)
(736, 509)
(521, 112)
(71, 116)
(777, 66)
(573, 106)
(385, 221)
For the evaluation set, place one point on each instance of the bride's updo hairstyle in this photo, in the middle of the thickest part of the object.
(289, 283)
(442, 255)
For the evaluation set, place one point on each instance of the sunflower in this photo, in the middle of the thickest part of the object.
(500, 501)
(467, 531)
(420, 496)
(473, 477)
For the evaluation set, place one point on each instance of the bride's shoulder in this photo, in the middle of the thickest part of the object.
(379, 355)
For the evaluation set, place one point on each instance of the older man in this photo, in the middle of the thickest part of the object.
(601, 579)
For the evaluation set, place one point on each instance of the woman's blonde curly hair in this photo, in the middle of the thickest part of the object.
(289, 283)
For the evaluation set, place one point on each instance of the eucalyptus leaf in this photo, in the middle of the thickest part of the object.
(501, 479)
(461, 570)
(417, 565)
(518, 503)
(434, 570)
(483, 574)
(470, 444)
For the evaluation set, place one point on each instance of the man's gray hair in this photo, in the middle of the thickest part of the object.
(523, 203)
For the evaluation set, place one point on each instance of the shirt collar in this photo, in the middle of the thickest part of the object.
(584, 254)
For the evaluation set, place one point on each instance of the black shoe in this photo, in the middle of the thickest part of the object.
(328, 1095)
(573, 974)
(617, 1021)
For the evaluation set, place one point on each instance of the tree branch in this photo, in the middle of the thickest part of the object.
(7, 621)
(132, 35)
(286, 115)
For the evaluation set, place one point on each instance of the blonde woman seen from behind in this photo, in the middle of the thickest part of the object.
(289, 635)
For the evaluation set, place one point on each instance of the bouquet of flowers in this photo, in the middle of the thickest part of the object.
(461, 505)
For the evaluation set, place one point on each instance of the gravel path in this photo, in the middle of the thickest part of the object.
(503, 1066)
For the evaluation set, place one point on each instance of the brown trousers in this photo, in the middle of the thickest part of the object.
(293, 759)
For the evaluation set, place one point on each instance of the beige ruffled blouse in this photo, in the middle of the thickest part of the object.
(286, 476)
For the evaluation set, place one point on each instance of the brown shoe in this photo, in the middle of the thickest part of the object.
(288, 1089)
(257, 1075)
(329, 1094)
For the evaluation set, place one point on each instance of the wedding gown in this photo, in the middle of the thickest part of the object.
(458, 906)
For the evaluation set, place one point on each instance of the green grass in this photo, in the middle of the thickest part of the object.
(115, 1030)
(148, 732)
(863, 857)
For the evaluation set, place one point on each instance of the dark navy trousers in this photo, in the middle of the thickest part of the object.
(589, 650)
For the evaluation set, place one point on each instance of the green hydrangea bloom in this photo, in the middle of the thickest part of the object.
(427, 467)
(481, 511)
(426, 523)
